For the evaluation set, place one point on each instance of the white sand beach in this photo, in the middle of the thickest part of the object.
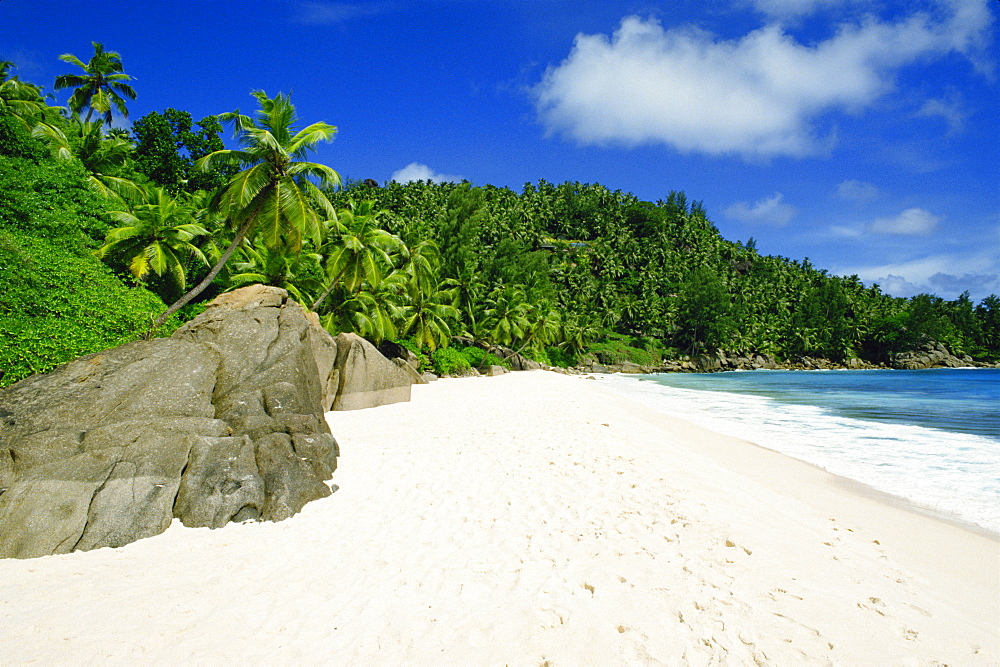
(530, 519)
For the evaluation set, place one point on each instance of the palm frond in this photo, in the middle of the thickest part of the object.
(309, 136)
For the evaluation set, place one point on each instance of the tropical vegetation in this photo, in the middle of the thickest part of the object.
(107, 236)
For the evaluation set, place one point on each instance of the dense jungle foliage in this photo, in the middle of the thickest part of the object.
(101, 229)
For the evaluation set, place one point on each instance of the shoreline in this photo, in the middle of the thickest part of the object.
(525, 518)
(977, 514)
(857, 486)
(809, 482)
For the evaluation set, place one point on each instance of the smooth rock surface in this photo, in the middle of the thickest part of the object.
(366, 378)
(221, 422)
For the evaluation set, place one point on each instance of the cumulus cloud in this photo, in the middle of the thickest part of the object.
(858, 191)
(770, 210)
(416, 171)
(759, 96)
(977, 283)
(911, 222)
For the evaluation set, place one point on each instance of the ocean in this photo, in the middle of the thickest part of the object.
(931, 437)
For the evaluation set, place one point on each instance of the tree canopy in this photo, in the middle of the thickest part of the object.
(101, 228)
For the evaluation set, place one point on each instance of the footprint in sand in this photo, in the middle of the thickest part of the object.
(873, 604)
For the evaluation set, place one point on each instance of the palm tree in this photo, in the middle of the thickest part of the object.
(357, 249)
(422, 263)
(507, 318)
(545, 325)
(372, 314)
(155, 238)
(23, 100)
(100, 87)
(428, 314)
(272, 195)
(101, 154)
(293, 270)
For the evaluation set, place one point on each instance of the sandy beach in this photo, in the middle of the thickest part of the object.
(530, 519)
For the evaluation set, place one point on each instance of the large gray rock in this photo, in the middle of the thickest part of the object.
(930, 355)
(366, 378)
(221, 422)
(517, 361)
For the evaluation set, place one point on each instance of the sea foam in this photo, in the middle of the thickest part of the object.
(944, 471)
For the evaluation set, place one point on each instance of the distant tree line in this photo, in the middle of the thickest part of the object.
(101, 230)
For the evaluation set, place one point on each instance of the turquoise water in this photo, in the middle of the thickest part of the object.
(931, 437)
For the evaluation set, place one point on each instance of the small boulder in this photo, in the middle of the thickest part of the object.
(366, 378)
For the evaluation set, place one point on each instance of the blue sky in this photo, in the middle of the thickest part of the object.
(862, 134)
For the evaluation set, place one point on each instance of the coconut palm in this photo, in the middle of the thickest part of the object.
(155, 237)
(422, 263)
(357, 249)
(427, 316)
(372, 314)
(272, 196)
(545, 325)
(506, 320)
(23, 100)
(294, 270)
(101, 86)
(101, 154)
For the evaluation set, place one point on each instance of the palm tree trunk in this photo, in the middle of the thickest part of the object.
(200, 287)
(326, 293)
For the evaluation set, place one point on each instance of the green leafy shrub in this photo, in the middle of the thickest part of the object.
(57, 300)
(57, 303)
(447, 360)
(480, 358)
(411, 345)
(50, 199)
(560, 357)
(617, 351)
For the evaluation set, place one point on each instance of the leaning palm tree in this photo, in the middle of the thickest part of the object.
(155, 237)
(100, 87)
(272, 196)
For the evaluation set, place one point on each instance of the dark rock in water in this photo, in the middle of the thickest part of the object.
(221, 422)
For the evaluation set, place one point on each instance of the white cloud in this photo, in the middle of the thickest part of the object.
(794, 8)
(770, 210)
(946, 275)
(950, 111)
(843, 231)
(911, 222)
(320, 13)
(416, 171)
(858, 191)
(759, 96)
